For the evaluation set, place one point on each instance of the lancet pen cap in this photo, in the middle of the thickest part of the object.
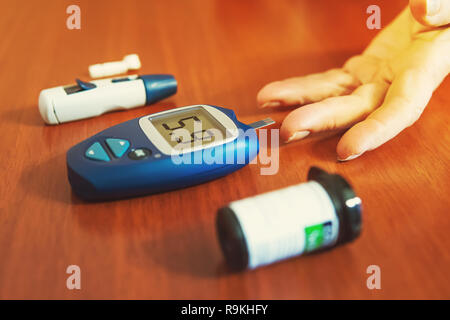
(158, 87)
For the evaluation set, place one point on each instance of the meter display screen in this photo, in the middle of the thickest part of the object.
(188, 128)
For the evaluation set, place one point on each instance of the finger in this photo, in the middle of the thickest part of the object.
(405, 101)
(307, 89)
(367, 68)
(431, 12)
(333, 113)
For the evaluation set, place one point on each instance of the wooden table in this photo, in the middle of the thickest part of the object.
(164, 246)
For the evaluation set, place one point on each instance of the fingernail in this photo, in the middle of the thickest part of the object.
(353, 156)
(433, 7)
(271, 104)
(297, 136)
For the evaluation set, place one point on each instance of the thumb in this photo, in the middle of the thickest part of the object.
(431, 12)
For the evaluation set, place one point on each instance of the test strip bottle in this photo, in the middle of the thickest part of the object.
(260, 230)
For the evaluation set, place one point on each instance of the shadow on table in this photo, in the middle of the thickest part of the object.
(48, 180)
(189, 251)
(320, 147)
(154, 238)
(324, 145)
(28, 116)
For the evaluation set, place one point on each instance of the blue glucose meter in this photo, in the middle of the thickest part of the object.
(163, 151)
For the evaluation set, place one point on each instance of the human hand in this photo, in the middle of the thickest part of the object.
(378, 93)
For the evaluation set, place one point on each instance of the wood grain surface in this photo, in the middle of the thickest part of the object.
(164, 246)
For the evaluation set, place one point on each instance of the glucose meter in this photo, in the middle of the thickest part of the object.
(162, 151)
(89, 99)
(323, 213)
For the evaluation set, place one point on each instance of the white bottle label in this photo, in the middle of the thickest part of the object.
(287, 222)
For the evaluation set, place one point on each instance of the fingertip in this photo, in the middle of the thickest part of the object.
(270, 104)
(266, 97)
(297, 124)
(432, 13)
(298, 135)
(285, 93)
(345, 151)
(353, 143)
(418, 9)
(285, 132)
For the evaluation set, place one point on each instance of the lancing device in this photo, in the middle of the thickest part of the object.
(89, 99)
(303, 218)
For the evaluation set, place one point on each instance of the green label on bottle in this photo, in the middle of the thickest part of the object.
(317, 236)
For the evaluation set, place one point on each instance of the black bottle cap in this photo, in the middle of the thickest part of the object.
(345, 201)
(231, 239)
